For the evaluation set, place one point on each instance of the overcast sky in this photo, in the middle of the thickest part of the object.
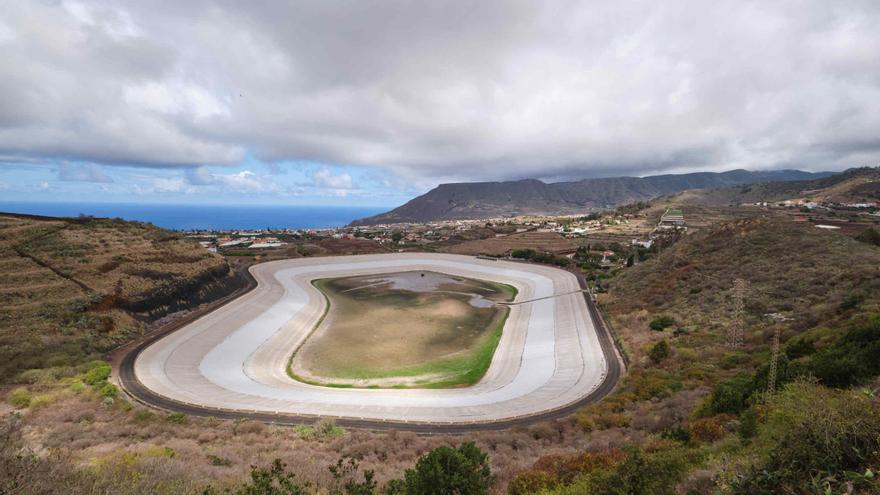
(373, 102)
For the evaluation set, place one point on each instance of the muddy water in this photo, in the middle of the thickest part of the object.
(428, 281)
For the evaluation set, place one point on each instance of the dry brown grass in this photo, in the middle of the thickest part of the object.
(496, 246)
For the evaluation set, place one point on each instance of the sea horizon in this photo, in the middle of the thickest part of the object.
(203, 216)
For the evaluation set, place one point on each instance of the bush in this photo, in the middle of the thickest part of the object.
(639, 474)
(659, 352)
(554, 470)
(463, 470)
(676, 433)
(816, 433)
(20, 398)
(661, 323)
(109, 390)
(97, 373)
(177, 418)
(853, 358)
(709, 429)
(729, 396)
(748, 424)
(275, 480)
(346, 476)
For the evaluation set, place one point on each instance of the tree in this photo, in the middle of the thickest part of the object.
(396, 237)
(447, 470)
(659, 352)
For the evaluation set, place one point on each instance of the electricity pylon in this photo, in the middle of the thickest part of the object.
(774, 363)
(737, 328)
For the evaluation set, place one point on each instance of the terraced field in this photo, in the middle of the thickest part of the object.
(539, 241)
(74, 288)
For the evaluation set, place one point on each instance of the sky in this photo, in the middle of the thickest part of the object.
(372, 103)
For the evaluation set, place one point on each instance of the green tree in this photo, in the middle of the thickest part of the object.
(447, 471)
(659, 352)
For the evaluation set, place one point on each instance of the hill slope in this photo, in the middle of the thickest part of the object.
(856, 185)
(74, 288)
(533, 197)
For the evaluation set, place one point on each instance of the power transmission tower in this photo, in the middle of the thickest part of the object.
(737, 328)
(774, 363)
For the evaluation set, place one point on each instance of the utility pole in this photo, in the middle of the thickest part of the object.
(737, 328)
(774, 363)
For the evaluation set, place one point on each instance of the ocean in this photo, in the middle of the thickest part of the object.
(216, 217)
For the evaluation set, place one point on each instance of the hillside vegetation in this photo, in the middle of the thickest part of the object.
(72, 289)
(856, 185)
(696, 414)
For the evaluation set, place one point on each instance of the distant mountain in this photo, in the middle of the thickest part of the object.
(475, 200)
(856, 185)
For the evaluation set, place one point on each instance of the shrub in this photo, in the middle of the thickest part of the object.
(854, 357)
(463, 470)
(676, 433)
(729, 396)
(870, 236)
(554, 470)
(144, 415)
(851, 301)
(709, 429)
(659, 352)
(346, 479)
(20, 398)
(661, 323)
(639, 473)
(218, 461)
(608, 413)
(41, 401)
(109, 390)
(816, 433)
(98, 373)
(748, 424)
(799, 347)
(177, 418)
(275, 480)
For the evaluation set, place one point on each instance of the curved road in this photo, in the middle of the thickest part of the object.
(554, 356)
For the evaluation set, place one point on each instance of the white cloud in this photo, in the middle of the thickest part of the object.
(463, 90)
(84, 172)
(244, 181)
(324, 178)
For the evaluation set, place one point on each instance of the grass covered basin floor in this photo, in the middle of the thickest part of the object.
(404, 329)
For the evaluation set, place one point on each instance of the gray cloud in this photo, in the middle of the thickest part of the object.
(444, 89)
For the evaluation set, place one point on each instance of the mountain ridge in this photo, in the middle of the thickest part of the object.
(476, 200)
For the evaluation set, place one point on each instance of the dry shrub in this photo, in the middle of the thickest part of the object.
(553, 470)
(610, 413)
(710, 429)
